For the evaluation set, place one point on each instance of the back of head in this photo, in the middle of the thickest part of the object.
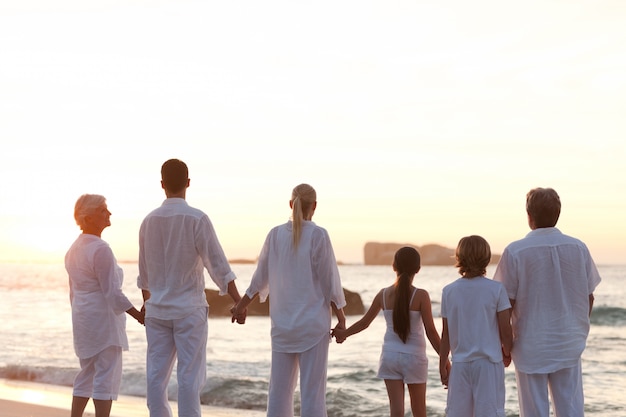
(406, 263)
(473, 255)
(303, 198)
(175, 175)
(407, 260)
(543, 206)
(85, 206)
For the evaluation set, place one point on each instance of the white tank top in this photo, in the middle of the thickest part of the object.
(415, 342)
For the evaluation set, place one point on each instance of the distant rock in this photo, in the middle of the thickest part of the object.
(375, 253)
(242, 261)
(219, 306)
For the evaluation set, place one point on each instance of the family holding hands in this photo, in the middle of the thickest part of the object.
(535, 312)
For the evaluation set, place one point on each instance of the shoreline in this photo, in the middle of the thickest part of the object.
(34, 399)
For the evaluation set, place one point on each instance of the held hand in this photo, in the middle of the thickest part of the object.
(444, 373)
(138, 315)
(141, 318)
(339, 333)
(506, 359)
(239, 317)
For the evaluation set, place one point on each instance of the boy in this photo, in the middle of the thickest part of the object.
(476, 327)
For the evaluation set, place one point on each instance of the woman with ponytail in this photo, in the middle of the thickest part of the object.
(297, 266)
(408, 313)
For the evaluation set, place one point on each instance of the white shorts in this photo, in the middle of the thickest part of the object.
(476, 386)
(100, 376)
(409, 368)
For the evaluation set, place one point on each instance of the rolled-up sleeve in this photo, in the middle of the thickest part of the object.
(260, 279)
(213, 256)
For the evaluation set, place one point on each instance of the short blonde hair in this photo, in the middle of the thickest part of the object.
(86, 205)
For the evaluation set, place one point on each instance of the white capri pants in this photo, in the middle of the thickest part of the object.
(476, 389)
(313, 365)
(100, 376)
(185, 339)
(566, 391)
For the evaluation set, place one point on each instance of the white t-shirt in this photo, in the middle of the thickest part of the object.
(471, 306)
(302, 285)
(176, 243)
(550, 276)
(98, 304)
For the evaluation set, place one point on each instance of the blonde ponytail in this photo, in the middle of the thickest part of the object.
(303, 198)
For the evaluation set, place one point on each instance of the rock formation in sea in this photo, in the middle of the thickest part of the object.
(219, 306)
(376, 253)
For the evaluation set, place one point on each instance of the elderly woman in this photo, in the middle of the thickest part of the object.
(98, 307)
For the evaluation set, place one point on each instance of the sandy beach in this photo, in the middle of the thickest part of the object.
(29, 399)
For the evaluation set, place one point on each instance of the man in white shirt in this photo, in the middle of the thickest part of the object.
(176, 243)
(550, 279)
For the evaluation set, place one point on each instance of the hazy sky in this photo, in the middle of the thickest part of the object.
(417, 122)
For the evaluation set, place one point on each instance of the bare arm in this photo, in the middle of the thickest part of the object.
(444, 352)
(146, 296)
(136, 314)
(363, 323)
(233, 292)
(506, 334)
(591, 300)
(427, 318)
(341, 321)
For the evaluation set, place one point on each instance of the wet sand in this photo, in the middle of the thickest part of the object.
(30, 399)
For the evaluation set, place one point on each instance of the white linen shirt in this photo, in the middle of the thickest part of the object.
(176, 243)
(550, 276)
(98, 304)
(302, 285)
(471, 307)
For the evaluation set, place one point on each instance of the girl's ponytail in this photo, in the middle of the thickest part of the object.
(406, 263)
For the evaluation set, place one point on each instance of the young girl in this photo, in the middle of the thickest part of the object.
(403, 359)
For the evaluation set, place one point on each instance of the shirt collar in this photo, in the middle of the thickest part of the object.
(543, 231)
(169, 201)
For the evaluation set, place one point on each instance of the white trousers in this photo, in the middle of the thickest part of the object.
(100, 376)
(565, 387)
(476, 389)
(183, 339)
(312, 365)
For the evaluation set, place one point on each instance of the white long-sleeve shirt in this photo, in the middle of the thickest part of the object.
(176, 243)
(302, 283)
(550, 276)
(98, 304)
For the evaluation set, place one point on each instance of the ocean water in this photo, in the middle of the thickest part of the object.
(36, 331)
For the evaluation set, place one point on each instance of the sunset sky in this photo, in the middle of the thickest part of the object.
(417, 122)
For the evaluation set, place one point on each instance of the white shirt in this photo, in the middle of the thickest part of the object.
(471, 306)
(98, 304)
(176, 243)
(550, 276)
(302, 285)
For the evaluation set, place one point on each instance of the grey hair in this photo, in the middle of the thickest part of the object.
(85, 205)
